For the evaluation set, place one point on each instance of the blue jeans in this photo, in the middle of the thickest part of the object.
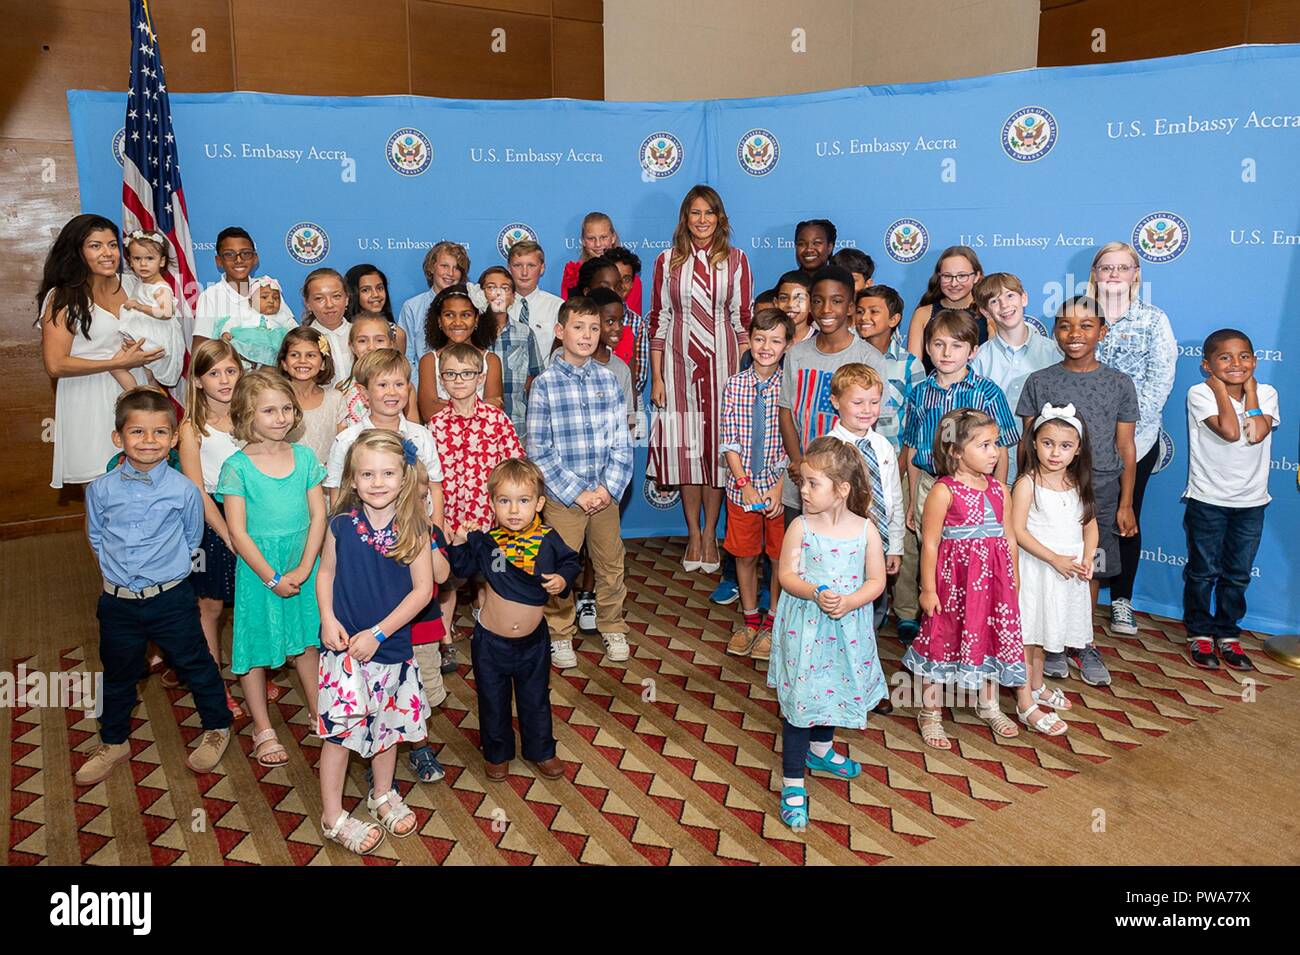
(521, 664)
(1221, 546)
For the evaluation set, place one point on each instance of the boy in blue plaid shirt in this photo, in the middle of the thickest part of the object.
(578, 436)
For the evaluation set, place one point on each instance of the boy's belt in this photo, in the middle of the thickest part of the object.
(153, 590)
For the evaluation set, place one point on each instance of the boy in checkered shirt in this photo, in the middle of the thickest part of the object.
(756, 461)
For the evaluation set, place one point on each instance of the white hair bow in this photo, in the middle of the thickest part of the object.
(1064, 413)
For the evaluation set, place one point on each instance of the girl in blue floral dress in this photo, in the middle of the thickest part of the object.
(824, 665)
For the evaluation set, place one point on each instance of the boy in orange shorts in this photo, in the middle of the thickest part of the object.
(756, 459)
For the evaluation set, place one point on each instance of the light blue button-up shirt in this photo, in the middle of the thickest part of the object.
(143, 525)
(411, 320)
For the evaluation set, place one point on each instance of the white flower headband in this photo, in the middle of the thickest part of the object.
(1064, 413)
(150, 235)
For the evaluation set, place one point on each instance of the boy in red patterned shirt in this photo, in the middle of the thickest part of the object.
(472, 437)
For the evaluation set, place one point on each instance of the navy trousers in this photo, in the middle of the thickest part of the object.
(1221, 546)
(171, 620)
(521, 664)
(794, 746)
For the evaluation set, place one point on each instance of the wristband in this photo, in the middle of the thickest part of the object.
(1254, 413)
(820, 588)
(741, 482)
(378, 634)
(273, 582)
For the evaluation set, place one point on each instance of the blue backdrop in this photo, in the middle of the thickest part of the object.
(1190, 158)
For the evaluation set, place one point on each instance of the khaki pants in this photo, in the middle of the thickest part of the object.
(907, 589)
(603, 534)
(428, 657)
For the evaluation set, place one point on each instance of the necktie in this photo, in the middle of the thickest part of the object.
(523, 312)
(877, 514)
(757, 434)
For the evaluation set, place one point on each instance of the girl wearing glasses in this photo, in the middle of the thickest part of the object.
(951, 285)
(1139, 342)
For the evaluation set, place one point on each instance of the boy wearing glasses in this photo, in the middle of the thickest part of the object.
(227, 302)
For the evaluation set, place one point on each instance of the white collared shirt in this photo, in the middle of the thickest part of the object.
(887, 459)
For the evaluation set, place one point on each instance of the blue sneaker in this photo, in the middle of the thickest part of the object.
(425, 765)
(765, 600)
(725, 593)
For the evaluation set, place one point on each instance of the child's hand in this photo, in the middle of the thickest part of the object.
(929, 602)
(750, 496)
(893, 564)
(1065, 565)
(362, 646)
(333, 635)
(603, 497)
(552, 583)
(1257, 428)
(286, 587)
(297, 575)
(588, 501)
(1087, 565)
(460, 537)
(1127, 521)
(772, 506)
(792, 470)
(830, 601)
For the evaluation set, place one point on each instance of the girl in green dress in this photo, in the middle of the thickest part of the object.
(275, 510)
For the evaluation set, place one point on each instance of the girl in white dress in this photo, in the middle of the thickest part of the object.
(1052, 513)
(80, 296)
(151, 314)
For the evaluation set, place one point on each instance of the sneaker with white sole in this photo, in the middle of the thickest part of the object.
(1122, 621)
(562, 655)
(616, 647)
(1091, 668)
(1055, 665)
(585, 609)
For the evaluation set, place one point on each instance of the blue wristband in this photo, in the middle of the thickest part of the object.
(378, 634)
(1254, 413)
(820, 588)
(273, 582)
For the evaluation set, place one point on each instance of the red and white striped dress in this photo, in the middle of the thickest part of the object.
(699, 318)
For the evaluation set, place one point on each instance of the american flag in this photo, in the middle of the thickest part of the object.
(152, 198)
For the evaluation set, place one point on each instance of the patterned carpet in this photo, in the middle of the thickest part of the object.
(671, 760)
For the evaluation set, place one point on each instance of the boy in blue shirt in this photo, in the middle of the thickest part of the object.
(143, 520)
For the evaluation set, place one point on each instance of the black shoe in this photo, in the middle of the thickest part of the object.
(908, 630)
(1201, 650)
(449, 664)
(1230, 652)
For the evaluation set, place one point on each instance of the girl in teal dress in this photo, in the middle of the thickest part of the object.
(824, 665)
(275, 510)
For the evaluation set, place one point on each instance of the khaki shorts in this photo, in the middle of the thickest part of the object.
(428, 657)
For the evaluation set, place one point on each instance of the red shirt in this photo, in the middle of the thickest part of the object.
(626, 346)
(469, 448)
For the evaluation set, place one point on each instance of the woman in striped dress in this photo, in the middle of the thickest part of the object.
(700, 306)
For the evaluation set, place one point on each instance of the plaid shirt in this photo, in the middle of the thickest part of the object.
(930, 401)
(905, 373)
(641, 356)
(469, 448)
(517, 349)
(577, 430)
(737, 435)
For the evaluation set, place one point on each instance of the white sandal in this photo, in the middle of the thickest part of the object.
(998, 722)
(397, 811)
(351, 834)
(1049, 724)
(1052, 697)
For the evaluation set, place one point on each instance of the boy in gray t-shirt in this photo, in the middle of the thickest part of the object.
(1105, 400)
(805, 402)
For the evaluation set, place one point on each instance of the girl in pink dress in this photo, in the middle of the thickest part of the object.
(970, 633)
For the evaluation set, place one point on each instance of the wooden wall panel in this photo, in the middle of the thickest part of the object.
(579, 59)
(592, 11)
(1273, 21)
(321, 47)
(539, 8)
(1138, 31)
(451, 53)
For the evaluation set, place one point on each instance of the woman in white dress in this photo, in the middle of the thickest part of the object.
(80, 297)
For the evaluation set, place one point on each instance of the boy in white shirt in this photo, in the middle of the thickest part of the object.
(856, 393)
(384, 375)
(229, 299)
(1230, 422)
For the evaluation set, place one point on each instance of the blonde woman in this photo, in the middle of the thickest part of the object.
(1139, 342)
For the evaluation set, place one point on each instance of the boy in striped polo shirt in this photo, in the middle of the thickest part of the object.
(951, 339)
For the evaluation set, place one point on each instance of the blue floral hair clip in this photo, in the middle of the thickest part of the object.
(409, 451)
